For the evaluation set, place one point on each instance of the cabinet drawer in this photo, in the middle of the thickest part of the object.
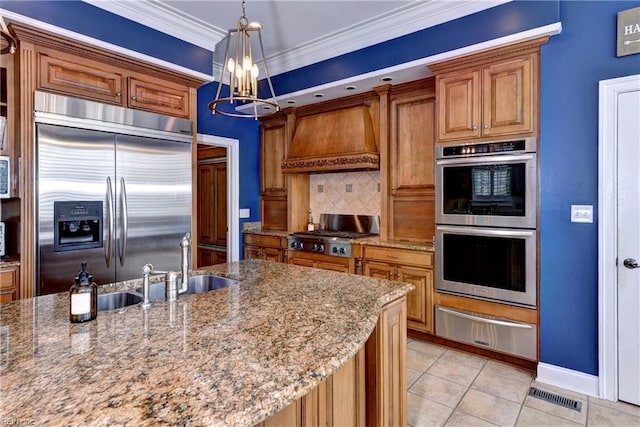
(399, 256)
(80, 77)
(262, 240)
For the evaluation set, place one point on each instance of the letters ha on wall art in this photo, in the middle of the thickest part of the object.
(629, 32)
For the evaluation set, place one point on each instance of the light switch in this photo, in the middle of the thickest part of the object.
(245, 213)
(582, 213)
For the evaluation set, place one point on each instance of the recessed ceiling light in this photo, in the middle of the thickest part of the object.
(350, 87)
(266, 107)
(318, 95)
(387, 79)
(291, 101)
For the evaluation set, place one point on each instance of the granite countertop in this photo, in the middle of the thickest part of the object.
(10, 262)
(229, 357)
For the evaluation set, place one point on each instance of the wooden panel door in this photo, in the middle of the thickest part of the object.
(272, 254)
(212, 204)
(341, 268)
(301, 261)
(458, 105)
(507, 97)
(159, 96)
(253, 252)
(419, 304)
(80, 77)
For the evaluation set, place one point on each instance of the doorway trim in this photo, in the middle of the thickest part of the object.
(233, 190)
(607, 232)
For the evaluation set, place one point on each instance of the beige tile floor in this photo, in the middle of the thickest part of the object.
(452, 388)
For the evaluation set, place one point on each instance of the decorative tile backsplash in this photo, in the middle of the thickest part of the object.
(344, 193)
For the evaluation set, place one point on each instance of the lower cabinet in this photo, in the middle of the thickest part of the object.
(9, 282)
(325, 262)
(267, 248)
(415, 267)
(369, 390)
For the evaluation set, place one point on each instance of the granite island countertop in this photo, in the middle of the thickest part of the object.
(229, 357)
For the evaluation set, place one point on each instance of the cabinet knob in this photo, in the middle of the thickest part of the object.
(486, 126)
(118, 93)
(393, 188)
(134, 97)
(398, 275)
(474, 127)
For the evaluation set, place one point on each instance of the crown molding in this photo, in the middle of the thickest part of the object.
(417, 16)
(395, 23)
(166, 19)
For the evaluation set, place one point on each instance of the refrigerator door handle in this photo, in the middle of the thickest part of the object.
(108, 249)
(125, 224)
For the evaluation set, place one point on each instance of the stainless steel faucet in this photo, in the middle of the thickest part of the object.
(171, 287)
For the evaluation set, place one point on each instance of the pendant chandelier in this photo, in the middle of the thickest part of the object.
(243, 71)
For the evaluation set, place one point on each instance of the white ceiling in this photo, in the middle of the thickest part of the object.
(301, 32)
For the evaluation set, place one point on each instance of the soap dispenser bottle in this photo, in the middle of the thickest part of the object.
(310, 225)
(83, 297)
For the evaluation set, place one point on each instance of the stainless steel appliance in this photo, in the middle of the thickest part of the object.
(490, 332)
(2, 239)
(491, 184)
(496, 264)
(113, 189)
(334, 235)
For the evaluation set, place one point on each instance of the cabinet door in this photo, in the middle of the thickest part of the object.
(507, 97)
(419, 306)
(272, 254)
(252, 252)
(333, 267)
(9, 284)
(412, 145)
(273, 151)
(379, 270)
(80, 77)
(159, 96)
(458, 105)
(208, 257)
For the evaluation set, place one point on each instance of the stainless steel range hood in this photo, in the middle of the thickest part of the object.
(339, 140)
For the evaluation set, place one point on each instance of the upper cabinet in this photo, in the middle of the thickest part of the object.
(81, 77)
(490, 94)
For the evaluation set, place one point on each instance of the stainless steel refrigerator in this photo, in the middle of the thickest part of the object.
(114, 190)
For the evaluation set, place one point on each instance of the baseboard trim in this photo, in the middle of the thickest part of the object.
(567, 378)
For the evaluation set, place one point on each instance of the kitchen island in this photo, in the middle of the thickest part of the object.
(234, 356)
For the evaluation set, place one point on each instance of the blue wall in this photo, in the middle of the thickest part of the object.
(572, 64)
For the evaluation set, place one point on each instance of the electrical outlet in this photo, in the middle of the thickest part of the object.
(245, 213)
(582, 213)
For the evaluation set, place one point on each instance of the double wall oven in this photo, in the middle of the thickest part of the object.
(486, 239)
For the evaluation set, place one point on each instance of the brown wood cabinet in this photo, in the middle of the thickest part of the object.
(72, 75)
(415, 267)
(9, 281)
(411, 202)
(273, 183)
(268, 248)
(490, 94)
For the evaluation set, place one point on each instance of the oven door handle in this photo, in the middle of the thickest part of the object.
(483, 320)
(496, 159)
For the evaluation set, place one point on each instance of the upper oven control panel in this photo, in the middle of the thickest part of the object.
(524, 145)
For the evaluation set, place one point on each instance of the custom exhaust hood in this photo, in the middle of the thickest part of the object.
(338, 140)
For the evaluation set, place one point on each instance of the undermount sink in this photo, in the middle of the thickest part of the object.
(116, 300)
(197, 285)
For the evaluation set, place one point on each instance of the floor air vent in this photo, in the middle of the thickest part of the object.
(556, 398)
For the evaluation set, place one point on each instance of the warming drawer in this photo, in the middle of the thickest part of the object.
(494, 333)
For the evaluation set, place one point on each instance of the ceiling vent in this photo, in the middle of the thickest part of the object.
(338, 140)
